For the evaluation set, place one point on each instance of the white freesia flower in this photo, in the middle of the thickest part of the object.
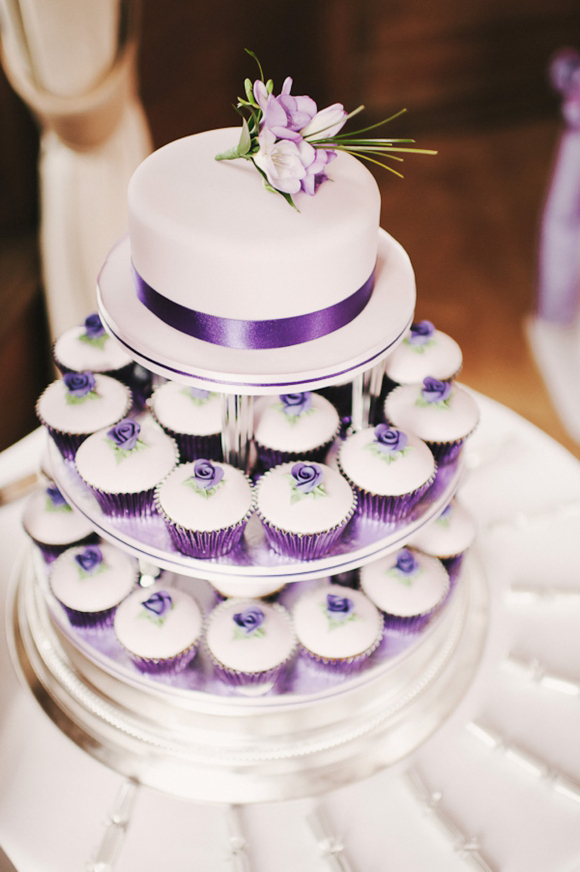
(325, 123)
(283, 161)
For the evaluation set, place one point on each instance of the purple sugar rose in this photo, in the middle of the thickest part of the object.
(338, 606)
(388, 439)
(199, 393)
(207, 474)
(421, 332)
(90, 559)
(250, 619)
(295, 404)
(307, 476)
(125, 434)
(406, 562)
(55, 496)
(434, 390)
(94, 326)
(79, 384)
(158, 603)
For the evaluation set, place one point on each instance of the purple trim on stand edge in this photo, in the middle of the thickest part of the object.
(241, 334)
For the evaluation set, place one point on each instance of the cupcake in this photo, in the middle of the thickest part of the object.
(53, 525)
(89, 347)
(206, 506)
(304, 508)
(250, 643)
(159, 627)
(389, 469)
(90, 581)
(191, 416)
(255, 587)
(448, 537)
(299, 426)
(123, 464)
(424, 351)
(407, 586)
(439, 412)
(79, 404)
(337, 627)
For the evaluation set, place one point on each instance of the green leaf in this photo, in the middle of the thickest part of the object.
(249, 89)
(245, 142)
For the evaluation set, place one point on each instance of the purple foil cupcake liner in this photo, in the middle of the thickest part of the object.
(125, 505)
(306, 546)
(453, 566)
(90, 620)
(269, 457)
(343, 665)
(411, 623)
(67, 443)
(166, 666)
(51, 552)
(446, 452)
(205, 544)
(192, 446)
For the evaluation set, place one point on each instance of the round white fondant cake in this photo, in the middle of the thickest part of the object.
(193, 220)
(337, 625)
(159, 627)
(424, 351)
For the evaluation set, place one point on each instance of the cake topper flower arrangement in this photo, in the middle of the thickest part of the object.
(291, 142)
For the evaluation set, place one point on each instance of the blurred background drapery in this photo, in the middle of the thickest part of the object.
(73, 63)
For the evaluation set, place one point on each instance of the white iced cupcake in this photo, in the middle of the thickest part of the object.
(191, 416)
(53, 525)
(88, 347)
(123, 464)
(250, 642)
(253, 587)
(159, 627)
(448, 537)
(79, 404)
(424, 351)
(300, 426)
(390, 470)
(304, 508)
(206, 506)
(337, 627)
(439, 412)
(90, 581)
(408, 586)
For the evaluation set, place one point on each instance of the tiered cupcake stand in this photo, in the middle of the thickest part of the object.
(190, 735)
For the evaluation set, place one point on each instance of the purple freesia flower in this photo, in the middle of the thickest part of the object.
(158, 603)
(338, 606)
(406, 561)
(207, 474)
(55, 496)
(388, 439)
(307, 476)
(421, 332)
(125, 434)
(94, 326)
(434, 390)
(79, 384)
(295, 404)
(283, 161)
(90, 559)
(250, 619)
(325, 123)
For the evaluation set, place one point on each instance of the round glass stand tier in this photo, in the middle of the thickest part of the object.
(240, 749)
(147, 538)
(335, 358)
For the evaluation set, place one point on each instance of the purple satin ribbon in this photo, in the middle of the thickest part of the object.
(237, 333)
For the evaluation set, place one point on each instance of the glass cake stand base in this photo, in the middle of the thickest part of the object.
(206, 747)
